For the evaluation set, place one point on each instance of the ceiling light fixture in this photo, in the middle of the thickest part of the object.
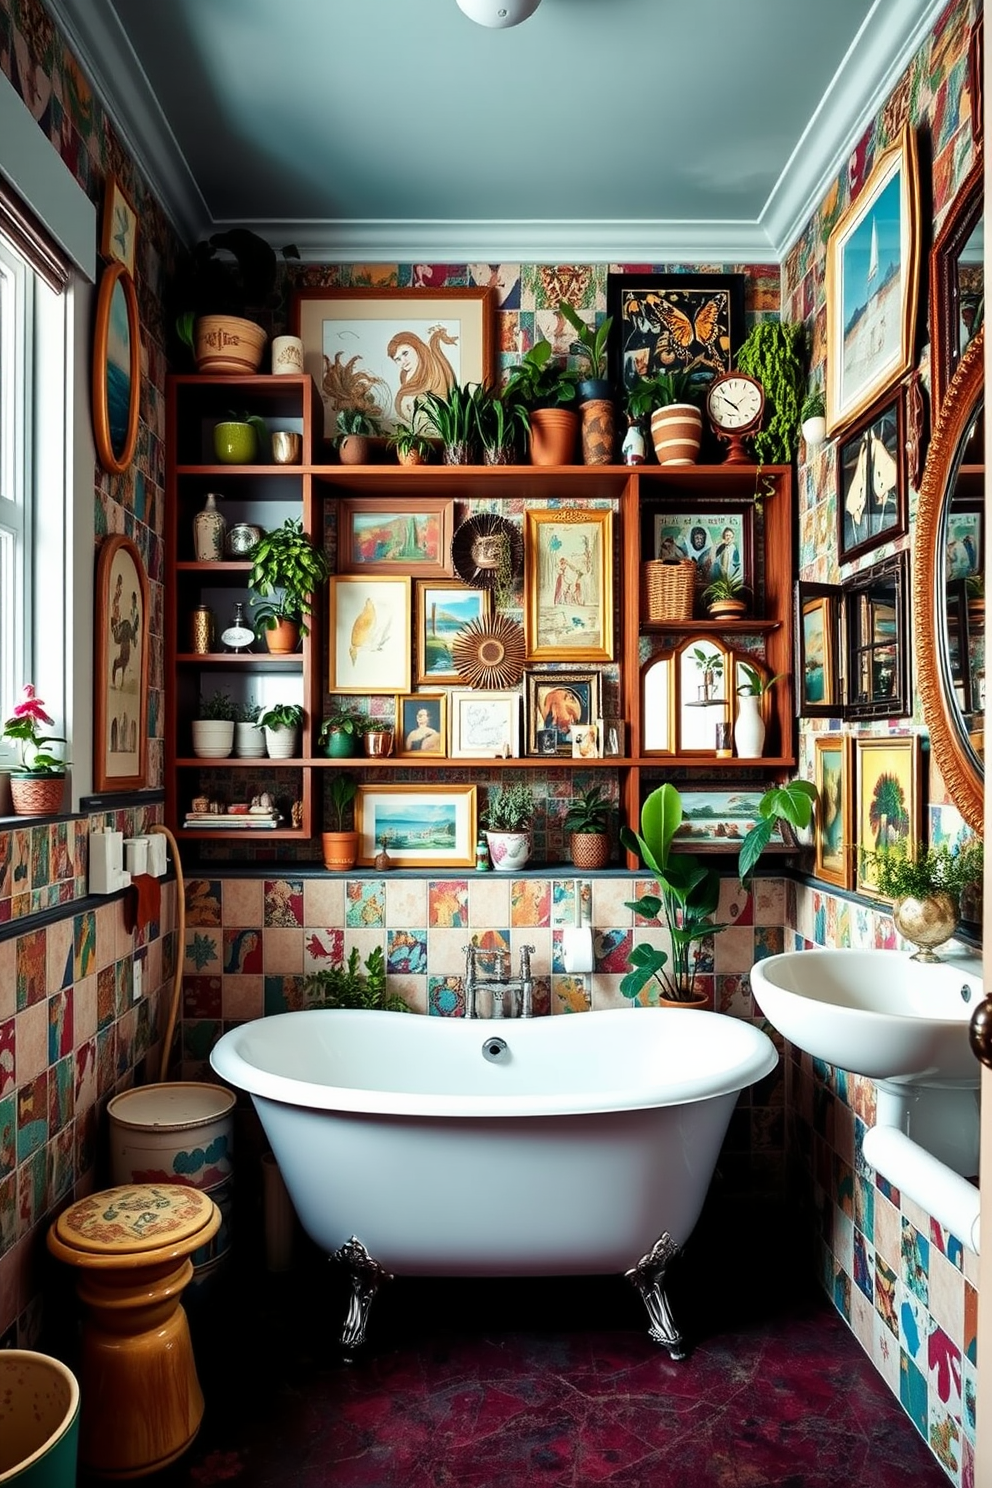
(498, 13)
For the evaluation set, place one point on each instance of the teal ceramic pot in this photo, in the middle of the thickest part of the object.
(340, 744)
(235, 444)
(39, 1421)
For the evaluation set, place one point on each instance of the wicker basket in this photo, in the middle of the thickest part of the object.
(667, 590)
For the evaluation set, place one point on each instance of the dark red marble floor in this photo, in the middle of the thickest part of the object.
(498, 1383)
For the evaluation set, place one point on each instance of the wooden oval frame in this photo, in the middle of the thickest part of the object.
(945, 347)
(113, 275)
(964, 782)
(103, 777)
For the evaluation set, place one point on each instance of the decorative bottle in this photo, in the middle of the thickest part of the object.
(632, 448)
(209, 527)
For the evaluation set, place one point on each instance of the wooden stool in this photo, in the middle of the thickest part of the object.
(141, 1400)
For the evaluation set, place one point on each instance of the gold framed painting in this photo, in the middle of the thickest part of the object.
(421, 725)
(872, 281)
(568, 583)
(380, 349)
(119, 226)
(425, 826)
(116, 374)
(834, 820)
(443, 607)
(369, 634)
(890, 801)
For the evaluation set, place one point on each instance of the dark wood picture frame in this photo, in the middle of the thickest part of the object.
(667, 322)
(580, 692)
(878, 640)
(872, 497)
(951, 288)
(120, 712)
(116, 374)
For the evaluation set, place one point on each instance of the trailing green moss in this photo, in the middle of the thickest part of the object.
(774, 353)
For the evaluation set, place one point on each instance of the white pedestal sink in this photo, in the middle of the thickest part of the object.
(900, 1022)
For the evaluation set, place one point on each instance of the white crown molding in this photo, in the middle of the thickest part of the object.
(889, 38)
(885, 44)
(413, 241)
(101, 47)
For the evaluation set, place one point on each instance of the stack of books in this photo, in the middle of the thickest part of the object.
(248, 817)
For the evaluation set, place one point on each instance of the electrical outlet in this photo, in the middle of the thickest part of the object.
(137, 969)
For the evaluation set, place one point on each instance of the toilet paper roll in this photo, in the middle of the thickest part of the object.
(576, 949)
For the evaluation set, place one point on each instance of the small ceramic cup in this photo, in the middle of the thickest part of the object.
(287, 355)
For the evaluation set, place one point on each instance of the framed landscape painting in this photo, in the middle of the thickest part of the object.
(387, 535)
(872, 278)
(379, 349)
(719, 820)
(443, 608)
(427, 826)
(889, 791)
(834, 818)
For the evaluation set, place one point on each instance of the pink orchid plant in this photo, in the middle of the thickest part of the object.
(24, 728)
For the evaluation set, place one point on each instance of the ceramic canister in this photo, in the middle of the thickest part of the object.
(209, 526)
(287, 355)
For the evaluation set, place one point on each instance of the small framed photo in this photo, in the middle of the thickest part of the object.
(426, 826)
(387, 535)
(890, 800)
(369, 648)
(558, 702)
(872, 503)
(585, 741)
(818, 682)
(442, 608)
(568, 583)
(612, 735)
(834, 817)
(485, 725)
(963, 538)
(420, 725)
(119, 227)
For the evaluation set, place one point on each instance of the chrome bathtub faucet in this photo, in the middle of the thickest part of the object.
(511, 997)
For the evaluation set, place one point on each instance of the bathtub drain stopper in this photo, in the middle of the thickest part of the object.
(495, 1050)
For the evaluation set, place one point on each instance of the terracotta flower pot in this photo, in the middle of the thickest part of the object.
(340, 849)
(553, 435)
(37, 795)
(677, 432)
(283, 637)
(355, 449)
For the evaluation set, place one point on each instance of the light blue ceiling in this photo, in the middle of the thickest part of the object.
(603, 129)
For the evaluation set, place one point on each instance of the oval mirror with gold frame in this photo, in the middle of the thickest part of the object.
(954, 742)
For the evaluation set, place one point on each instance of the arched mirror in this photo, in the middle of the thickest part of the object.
(948, 587)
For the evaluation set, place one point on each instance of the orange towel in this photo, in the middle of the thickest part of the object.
(142, 901)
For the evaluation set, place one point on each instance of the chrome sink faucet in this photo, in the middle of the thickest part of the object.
(512, 997)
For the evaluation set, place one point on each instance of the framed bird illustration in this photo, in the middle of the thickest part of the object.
(119, 227)
(673, 322)
(370, 631)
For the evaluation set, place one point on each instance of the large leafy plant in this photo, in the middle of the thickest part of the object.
(287, 567)
(688, 896)
(539, 381)
(591, 340)
(347, 986)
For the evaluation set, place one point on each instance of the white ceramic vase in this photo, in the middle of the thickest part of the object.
(213, 738)
(249, 741)
(508, 851)
(749, 728)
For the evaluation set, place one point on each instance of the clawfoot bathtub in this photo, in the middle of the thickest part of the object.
(470, 1147)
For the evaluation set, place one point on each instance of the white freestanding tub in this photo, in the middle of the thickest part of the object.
(419, 1145)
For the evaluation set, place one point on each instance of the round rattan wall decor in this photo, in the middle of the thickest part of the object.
(489, 653)
(487, 551)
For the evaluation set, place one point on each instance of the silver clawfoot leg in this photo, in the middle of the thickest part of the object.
(648, 1276)
(366, 1276)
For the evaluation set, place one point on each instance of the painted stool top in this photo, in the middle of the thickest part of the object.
(134, 1218)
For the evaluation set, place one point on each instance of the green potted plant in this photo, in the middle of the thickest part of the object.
(792, 803)
(412, 445)
(281, 724)
(710, 664)
(454, 420)
(587, 821)
(249, 739)
(673, 402)
(687, 899)
(213, 727)
(225, 277)
(340, 733)
(724, 597)
(547, 389)
(590, 343)
(774, 352)
(925, 887)
(500, 420)
(287, 568)
(37, 781)
(339, 843)
(238, 438)
(356, 428)
(813, 419)
(507, 818)
(348, 987)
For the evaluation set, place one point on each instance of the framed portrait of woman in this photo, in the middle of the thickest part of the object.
(420, 725)
(379, 349)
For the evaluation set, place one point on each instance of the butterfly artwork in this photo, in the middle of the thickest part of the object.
(674, 323)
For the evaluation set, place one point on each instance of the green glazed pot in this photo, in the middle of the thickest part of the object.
(339, 744)
(235, 444)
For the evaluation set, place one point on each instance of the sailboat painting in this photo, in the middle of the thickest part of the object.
(872, 281)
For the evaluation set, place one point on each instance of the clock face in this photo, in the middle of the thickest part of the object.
(735, 402)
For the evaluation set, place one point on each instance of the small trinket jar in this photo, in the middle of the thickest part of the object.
(482, 863)
(202, 627)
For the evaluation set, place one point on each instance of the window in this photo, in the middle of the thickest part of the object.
(16, 321)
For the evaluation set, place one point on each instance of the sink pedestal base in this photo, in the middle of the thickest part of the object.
(945, 1122)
